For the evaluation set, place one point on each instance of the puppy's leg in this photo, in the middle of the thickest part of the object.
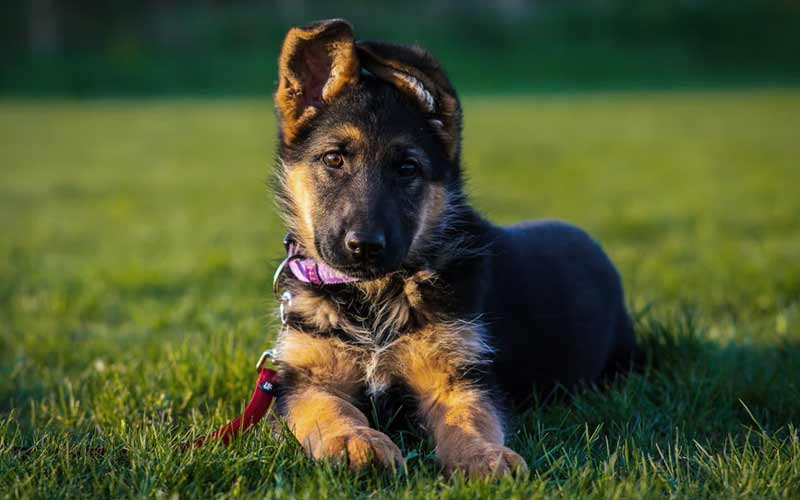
(321, 378)
(328, 426)
(465, 424)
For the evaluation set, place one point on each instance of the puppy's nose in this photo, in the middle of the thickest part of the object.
(365, 245)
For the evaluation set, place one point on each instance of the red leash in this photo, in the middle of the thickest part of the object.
(253, 412)
(265, 384)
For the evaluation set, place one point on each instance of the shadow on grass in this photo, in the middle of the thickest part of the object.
(697, 399)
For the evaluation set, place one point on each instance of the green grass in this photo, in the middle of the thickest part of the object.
(139, 238)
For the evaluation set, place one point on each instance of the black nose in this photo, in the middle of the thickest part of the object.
(364, 245)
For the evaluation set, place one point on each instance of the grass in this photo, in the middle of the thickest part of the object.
(138, 242)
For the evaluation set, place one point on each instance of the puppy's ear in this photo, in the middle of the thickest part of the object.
(418, 74)
(317, 62)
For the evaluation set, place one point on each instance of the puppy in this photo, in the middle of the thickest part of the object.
(401, 294)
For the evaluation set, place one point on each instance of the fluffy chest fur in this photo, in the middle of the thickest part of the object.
(364, 338)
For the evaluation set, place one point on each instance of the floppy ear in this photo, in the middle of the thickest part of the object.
(418, 74)
(317, 62)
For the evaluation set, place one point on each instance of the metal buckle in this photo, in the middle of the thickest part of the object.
(277, 275)
(284, 298)
(269, 353)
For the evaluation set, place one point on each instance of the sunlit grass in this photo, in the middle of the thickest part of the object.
(139, 238)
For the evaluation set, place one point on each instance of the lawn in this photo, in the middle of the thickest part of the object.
(139, 239)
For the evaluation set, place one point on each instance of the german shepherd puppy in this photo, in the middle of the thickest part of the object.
(436, 310)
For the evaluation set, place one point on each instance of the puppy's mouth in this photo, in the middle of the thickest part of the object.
(363, 271)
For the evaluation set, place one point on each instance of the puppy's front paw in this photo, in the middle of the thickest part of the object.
(488, 460)
(362, 446)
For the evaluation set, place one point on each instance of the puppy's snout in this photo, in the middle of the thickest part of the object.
(365, 245)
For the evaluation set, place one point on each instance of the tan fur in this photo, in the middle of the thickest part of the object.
(412, 287)
(321, 413)
(466, 428)
(450, 130)
(330, 427)
(344, 69)
(398, 303)
(430, 214)
(372, 289)
(325, 362)
(350, 131)
(318, 310)
(330, 42)
(298, 182)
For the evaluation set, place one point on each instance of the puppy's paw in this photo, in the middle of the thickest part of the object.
(488, 460)
(362, 446)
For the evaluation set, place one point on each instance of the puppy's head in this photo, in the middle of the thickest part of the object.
(369, 147)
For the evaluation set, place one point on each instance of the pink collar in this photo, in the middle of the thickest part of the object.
(311, 271)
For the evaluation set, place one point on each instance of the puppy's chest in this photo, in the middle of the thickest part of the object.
(379, 366)
(381, 370)
(369, 343)
(372, 316)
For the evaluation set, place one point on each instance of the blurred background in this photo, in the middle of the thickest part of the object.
(228, 47)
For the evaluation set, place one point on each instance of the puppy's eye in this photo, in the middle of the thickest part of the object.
(333, 159)
(408, 168)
